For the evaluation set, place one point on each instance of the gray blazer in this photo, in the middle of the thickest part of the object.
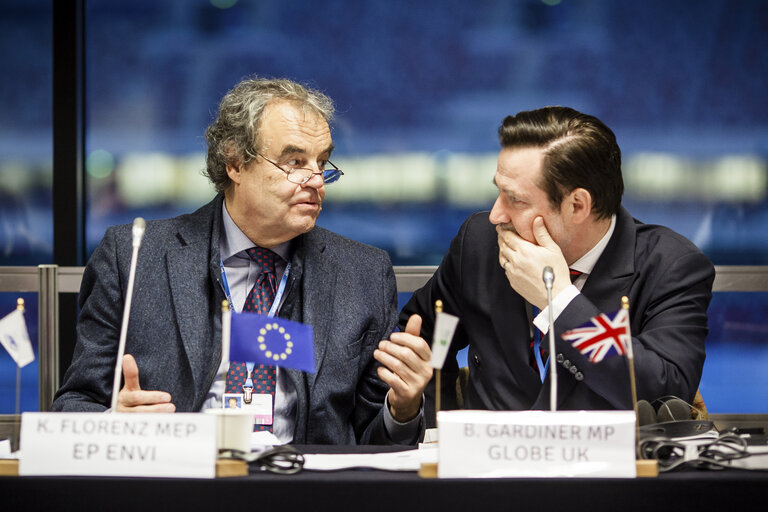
(344, 289)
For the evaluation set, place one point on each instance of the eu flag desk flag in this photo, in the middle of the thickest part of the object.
(268, 340)
(606, 334)
(15, 339)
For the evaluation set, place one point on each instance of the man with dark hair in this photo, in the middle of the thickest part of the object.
(559, 205)
(269, 158)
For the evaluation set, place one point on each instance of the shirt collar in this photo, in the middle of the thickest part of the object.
(586, 263)
(233, 241)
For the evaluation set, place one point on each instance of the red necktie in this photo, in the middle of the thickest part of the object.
(259, 300)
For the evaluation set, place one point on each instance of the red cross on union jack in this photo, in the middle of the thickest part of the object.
(604, 335)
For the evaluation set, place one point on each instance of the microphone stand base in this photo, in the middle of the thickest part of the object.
(229, 467)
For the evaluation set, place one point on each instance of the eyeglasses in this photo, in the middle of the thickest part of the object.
(301, 175)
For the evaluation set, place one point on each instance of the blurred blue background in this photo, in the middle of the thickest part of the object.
(420, 89)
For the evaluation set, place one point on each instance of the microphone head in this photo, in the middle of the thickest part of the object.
(139, 226)
(548, 276)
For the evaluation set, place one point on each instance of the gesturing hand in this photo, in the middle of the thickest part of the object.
(523, 262)
(133, 399)
(405, 359)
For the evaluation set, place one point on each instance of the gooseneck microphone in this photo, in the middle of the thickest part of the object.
(137, 232)
(548, 276)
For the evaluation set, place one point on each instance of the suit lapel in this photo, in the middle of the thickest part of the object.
(318, 289)
(613, 273)
(309, 295)
(610, 279)
(190, 267)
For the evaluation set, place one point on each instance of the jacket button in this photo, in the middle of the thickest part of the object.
(573, 369)
(560, 358)
(566, 364)
(476, 359)
(579, 376)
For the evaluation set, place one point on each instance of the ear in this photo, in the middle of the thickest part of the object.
(579, 205)
(234, 171)
(235, 162)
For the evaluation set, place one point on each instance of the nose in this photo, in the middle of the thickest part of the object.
(315, 181)
(498, 215)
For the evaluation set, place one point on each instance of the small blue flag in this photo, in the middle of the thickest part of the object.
(264, 340)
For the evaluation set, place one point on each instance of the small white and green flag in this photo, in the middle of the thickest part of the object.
(445, 326)
(15, 339)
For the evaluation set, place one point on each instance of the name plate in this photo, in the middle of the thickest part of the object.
(488, 444)
(118, 444)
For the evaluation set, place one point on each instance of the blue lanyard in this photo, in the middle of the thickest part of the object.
(275, 304)
(543, 367)
(278, 293)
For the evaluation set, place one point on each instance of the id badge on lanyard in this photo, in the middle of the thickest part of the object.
(259, 404)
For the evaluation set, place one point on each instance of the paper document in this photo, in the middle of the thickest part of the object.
(5, 450)
(261, 440)
(409, 460)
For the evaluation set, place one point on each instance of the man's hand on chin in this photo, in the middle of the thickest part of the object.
(523, 263)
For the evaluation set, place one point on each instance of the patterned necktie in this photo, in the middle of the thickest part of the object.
(538, 353)
(575, 274)
(259, 300)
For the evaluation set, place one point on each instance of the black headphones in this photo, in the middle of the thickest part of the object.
(666, 409)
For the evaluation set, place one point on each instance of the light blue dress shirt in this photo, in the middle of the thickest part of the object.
(242, 273)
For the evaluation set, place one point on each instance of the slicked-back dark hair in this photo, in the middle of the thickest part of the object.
(579, 152)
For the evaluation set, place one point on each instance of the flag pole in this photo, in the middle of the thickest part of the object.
(226, 327)
(226, 330)
(17, 408)
(438, 309)
(631, 364)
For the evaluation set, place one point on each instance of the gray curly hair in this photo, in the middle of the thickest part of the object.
(233, 135)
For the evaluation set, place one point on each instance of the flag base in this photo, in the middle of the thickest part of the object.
(428, 470)
(647, 468)
(9, 467)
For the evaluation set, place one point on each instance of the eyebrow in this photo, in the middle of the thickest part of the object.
(291, 149)
(511, 194)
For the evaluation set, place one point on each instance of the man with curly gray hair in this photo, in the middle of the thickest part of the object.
(257, 246)
(233, 133)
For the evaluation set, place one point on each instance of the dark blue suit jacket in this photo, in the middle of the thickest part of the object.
(669, 285)
(344, 289)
